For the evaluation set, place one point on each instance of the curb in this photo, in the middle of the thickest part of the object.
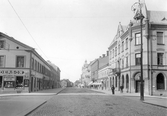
(34, 109)
(155, 104)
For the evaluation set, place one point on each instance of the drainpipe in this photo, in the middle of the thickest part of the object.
(30, 72)
(151, 52)
(130, 38)
(148, 58)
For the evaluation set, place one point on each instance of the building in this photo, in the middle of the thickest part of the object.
(23, 69)
(86, 74)
(125, 54)
(66, 83)
(63, 83)
(55, 75)
(103, 71)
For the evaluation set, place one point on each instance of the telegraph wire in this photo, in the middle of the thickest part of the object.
(26, 28)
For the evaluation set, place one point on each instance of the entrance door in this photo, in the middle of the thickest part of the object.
(32, 83)
(19, 81)
(0, 81)
(137, 86)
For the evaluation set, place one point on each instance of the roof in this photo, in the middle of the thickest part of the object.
(16, 41)
(158, 16)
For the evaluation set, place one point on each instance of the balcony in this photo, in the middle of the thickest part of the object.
(116, 71)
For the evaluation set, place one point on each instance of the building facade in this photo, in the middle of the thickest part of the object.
(125, 54)
(23, 69)
(103, 72)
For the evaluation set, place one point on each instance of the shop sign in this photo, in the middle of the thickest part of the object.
(12, 72)
(9, 78)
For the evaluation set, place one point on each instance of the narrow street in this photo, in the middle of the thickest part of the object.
(86, 102)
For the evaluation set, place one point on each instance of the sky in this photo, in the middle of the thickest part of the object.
(68, 32)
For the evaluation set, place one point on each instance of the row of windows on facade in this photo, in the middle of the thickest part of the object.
(39, 67)
(20, 63)
(138, 60)
(113, 52)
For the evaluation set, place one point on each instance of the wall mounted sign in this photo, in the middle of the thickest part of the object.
(12, 72)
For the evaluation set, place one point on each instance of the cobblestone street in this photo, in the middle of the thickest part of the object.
(80, 103)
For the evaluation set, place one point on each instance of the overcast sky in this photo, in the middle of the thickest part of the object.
(68, 32)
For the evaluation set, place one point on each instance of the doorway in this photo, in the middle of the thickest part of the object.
(0, 81)
(137, 86)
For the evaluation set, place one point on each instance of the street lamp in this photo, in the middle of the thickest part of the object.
(136, 7)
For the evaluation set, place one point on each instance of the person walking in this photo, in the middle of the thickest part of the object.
(113, 89)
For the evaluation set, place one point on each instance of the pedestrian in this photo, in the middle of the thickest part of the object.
(113, 89)
(122, 87)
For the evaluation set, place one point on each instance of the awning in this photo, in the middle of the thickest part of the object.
(96, 83)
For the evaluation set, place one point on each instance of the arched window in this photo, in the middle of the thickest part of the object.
(160, 81)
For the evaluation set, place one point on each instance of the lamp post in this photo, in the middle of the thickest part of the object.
(136, 7)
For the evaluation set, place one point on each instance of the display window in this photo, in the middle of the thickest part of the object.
(26, 83)
(9, 84)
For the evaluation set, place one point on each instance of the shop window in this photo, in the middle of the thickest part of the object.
(26, 83)
(9, 84)
(160, 81)
(19, 81)
(20, 61)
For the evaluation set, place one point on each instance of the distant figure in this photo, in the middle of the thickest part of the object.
(122, 87)
(113, 89)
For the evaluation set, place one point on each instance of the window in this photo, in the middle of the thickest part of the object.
(115, 51)
(127, 61)
(20, 61)
(160, 81)
(9, 84)
(32, 63)
(126, 43)
(2, 44)
(138, 58)
(118, 48)
(160, 39)
(122, 63)
(2, 61)
(35, 65)
(137, 39)
(160, 58)
(122, 46)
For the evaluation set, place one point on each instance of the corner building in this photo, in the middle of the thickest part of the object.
(125, 55)
(23, 69)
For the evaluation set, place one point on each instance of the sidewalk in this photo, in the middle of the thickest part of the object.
(11, 105)
(153, 100)
(41, 92)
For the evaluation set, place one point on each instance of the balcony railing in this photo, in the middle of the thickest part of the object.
(116, 71)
